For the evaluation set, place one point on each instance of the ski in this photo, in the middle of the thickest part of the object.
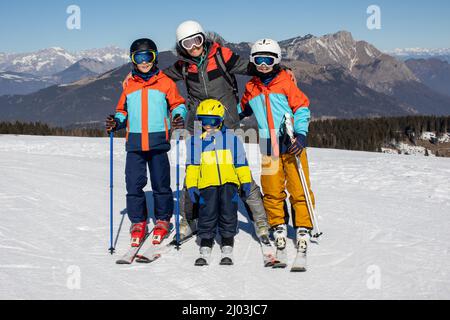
(158, 252)
(281, 258)
(173, 243)
(299, 264)
(268, 252)
(130, 255)
(155, 251)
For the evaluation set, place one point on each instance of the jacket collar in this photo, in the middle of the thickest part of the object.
(278, 78)
(150, 81)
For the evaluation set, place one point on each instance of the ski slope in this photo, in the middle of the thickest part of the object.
(385, 220)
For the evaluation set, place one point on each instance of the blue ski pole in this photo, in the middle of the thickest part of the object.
(178, 193)
(111, 187)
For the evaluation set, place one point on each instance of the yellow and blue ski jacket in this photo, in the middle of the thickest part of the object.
(215, 160)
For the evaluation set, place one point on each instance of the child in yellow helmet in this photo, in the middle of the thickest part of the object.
(216, 168)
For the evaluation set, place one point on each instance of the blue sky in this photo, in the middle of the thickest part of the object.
(28, 25)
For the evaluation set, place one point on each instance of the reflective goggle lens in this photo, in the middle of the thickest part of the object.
(143, 56)
(268, 61)
(210, 121)
(189, 43)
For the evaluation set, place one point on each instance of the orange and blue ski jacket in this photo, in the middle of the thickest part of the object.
(145, 108)
(269, 104)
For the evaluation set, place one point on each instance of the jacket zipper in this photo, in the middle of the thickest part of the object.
(204, 83)
(273, 135)
(217, 162)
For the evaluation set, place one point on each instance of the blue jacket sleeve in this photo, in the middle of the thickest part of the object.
(301, 121)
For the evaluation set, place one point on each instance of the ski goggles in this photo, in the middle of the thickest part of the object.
(212, 121)
(143, 56)
(260, 60)
(194, 41)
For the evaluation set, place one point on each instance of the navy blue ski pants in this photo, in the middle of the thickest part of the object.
(136, 179)
(218, 208)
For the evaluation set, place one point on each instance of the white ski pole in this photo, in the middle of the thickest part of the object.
(316, 231)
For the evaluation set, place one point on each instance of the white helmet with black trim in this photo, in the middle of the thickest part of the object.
(267, 47)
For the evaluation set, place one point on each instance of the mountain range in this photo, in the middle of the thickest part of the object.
(29, 72)
(343, 77)
(47, 62)
(421, 53)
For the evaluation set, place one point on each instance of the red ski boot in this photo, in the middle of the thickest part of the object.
(138, 232)
(161, 231)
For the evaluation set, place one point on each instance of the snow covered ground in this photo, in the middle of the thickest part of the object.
(385, 220)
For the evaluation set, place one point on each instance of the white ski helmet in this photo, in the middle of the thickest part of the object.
(267, 46)
(189, 28)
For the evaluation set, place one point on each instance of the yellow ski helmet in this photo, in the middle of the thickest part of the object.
(210, 113)
(211, 107)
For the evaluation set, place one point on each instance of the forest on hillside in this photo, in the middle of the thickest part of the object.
(349, 134)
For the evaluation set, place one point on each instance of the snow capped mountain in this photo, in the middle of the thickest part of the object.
(362, 60)
(421, 53)
(42, 62)
(49, 61)
(369, 66)
(338, 49)
(111, 57)
(2, 57)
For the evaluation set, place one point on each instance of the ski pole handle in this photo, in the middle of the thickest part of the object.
(289, 126)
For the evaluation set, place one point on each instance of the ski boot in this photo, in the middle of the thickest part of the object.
(261, 229)
(302, 237)
(205, 255)
(227, 256)
(160, 232)
(227, 251)
(138, 232)
(265, 240)
(280, 236)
